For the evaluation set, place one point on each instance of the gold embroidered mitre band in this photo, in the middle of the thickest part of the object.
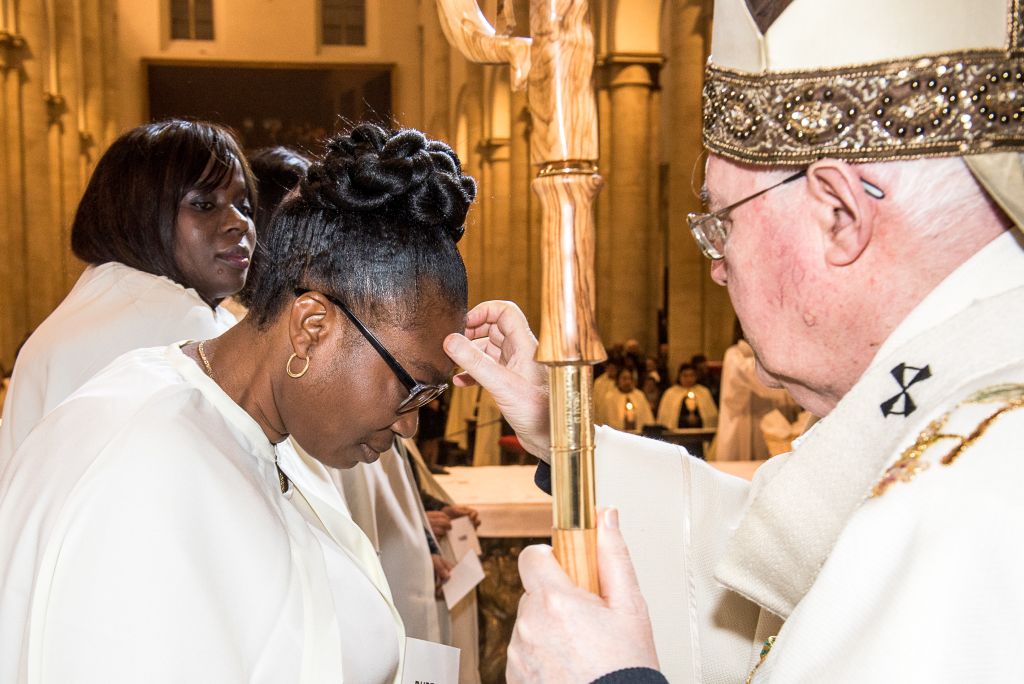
(868, 81)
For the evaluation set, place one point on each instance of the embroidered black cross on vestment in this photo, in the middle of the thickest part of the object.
(902, 372)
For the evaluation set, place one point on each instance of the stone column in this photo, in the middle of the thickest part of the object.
(498, 245)
(55, 58)
(435, 74)
(13, 283)
(472, 244)
(624, 282)
(525, 273)
(696, 304)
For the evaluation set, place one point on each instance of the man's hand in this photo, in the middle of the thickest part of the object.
(440, 523)
(497, 352)
(442, 571)
(566, 634)
(454, 511)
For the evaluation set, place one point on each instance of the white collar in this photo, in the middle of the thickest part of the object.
(235, 415)
(995, 268)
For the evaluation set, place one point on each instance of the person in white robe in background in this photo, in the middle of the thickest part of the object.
(163, 251)
(745, 400)
(608, 380)
(675, 399)
(473, 413)
(625, 407)
(880, 279)
(159, 526)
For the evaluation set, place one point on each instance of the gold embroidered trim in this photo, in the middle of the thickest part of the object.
(765, 649)
(910, 464)
(957, 104)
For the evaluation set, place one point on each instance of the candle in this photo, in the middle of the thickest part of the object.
(630, 417)
(691, 401)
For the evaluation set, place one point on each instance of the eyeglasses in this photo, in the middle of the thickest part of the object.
(420, 394)
(710, 231)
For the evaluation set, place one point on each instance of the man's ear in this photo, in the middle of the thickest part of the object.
(309, 322)
(837, 185)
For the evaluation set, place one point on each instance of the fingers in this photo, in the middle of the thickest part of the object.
(477, 364)
(619, 586)
(539, 570)
(501, 322)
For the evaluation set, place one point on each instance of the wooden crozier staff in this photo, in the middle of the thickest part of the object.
(558, 62)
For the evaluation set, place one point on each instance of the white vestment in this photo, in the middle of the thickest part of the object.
(918, 583)
(144, 537)
(612, 410)
(475, 404)
(602, 386)
(112, 309)
(744, 401)
(385, 502)
(672, 403)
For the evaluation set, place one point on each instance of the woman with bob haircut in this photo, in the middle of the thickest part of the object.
(166, 230)
(179, 537)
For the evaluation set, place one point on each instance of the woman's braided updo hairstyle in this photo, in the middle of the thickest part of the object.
(374, 222)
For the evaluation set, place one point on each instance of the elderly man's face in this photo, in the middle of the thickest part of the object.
(770, 268)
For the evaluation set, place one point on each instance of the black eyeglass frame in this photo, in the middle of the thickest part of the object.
(420, 394)
(699, 222)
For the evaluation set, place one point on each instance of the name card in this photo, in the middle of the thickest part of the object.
(428, 663)
(463, 538)
(466, 574)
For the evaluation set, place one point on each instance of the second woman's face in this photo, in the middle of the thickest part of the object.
(214, 238)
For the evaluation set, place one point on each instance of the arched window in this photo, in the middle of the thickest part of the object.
(343, 22)
(192, 19)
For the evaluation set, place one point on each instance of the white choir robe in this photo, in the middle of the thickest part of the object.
(744, 401)
(672, 403)
(112, 309)
(918, 583)
(144, 537)
(475, 403)
(602, 386)
(611, 410)
(385, 502)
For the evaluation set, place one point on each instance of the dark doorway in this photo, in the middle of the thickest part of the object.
(296, 107)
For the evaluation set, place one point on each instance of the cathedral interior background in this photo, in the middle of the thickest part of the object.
(76, 73)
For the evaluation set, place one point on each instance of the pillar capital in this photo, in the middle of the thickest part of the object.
(622, 69)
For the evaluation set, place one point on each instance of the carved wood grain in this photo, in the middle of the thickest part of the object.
(468, 30)
(561, 92)
(568, 330)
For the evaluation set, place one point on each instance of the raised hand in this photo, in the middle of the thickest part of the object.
(497, 352)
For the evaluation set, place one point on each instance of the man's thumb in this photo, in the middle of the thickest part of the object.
(472, 360)
(619, 586)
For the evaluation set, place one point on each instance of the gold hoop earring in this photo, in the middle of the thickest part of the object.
(290, 372)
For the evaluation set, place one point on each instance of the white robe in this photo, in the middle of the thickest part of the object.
(918, 584)
(611, 410)
(386, 504)
(475, 403)
(744, 401)
(144, 537)
(112, 309)
(672, 403)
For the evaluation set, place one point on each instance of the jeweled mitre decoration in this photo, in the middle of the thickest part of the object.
(956, 104)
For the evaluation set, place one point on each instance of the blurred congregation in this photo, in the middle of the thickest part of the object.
(718, 409)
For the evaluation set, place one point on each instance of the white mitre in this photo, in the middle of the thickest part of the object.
(792, 81)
